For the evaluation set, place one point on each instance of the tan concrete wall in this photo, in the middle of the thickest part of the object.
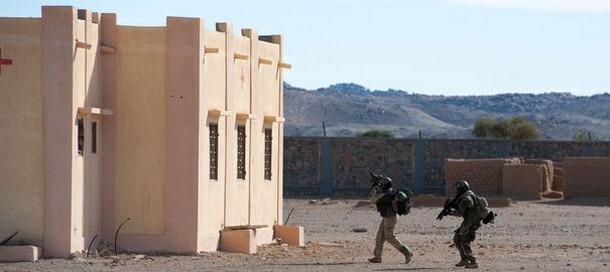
(108, 80)
(79, 82)
(241, 74)
(280, 136)
(268, 81)
(183, 122)
(92, 208)
(212, 192)
(62, 230)
(21, 163)
(523, 181)
(157, 169)
(140, 117)
(483, 175)
(238, 101)
(265, 99)
(586, 177)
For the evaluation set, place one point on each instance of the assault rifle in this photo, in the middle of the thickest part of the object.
(449, 204)
(375, 179)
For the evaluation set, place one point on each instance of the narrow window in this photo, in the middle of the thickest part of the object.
(214, 151)
(94, 137)
(241, 152)
(80, 123)
(268, 141)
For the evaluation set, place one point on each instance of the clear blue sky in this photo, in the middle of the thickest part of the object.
(449, 47)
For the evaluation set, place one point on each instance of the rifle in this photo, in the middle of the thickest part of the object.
(449, 204)
(375, 179)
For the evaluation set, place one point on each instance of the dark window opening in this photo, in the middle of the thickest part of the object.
(94, 137)
(80, 123)
(241, 152)
(214, 151)
(268, 142)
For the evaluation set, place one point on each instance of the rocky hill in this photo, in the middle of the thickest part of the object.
(348, 109)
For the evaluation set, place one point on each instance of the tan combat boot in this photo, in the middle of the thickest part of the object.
(408, 254)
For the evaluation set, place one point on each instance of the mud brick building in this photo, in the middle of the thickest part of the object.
(178, 128)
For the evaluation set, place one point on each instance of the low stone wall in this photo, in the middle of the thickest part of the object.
(484, 175)
(586, 177)
(523, 181)
(548, 173)
(338, 167)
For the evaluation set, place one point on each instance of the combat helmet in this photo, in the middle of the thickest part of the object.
(462, 186)
(385, 183)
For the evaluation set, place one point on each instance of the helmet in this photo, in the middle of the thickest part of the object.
(462, 186)
(385, 183)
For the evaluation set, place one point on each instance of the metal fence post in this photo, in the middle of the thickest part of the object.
(419, 186)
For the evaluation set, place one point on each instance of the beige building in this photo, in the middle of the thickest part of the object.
(178, 128)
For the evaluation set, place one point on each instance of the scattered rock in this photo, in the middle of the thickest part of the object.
(105, 253)
(328, 201)
(79, 259)
(359, 230)
(325, 201)
(139, 256)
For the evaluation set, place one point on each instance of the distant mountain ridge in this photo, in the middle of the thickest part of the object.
(348, 109)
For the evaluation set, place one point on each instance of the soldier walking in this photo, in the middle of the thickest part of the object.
(465, 206)
(385, 198)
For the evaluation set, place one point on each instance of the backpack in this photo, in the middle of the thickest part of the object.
(401, 202)
(482, 210)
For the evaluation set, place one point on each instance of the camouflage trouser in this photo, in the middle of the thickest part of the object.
(462, 240)
(385, 232)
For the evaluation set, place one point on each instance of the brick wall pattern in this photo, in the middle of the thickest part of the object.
(483, 175)
(548, 174)
(522, 181)
(586, 177)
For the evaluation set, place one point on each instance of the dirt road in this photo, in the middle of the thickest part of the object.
(550, 235)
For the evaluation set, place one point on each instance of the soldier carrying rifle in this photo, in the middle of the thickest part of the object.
(473, 209)
(390, 203)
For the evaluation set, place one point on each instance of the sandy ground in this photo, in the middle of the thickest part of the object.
(548, 235)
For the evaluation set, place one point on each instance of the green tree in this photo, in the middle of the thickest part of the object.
(375, 133)
(484, 127)
(515, 128)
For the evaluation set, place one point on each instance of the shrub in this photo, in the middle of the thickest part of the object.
(516, 128)
(377, 134)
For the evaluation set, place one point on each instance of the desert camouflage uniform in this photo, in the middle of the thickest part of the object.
(466, 233)
(385, 232)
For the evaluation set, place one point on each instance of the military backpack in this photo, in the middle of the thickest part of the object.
(401, 202)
